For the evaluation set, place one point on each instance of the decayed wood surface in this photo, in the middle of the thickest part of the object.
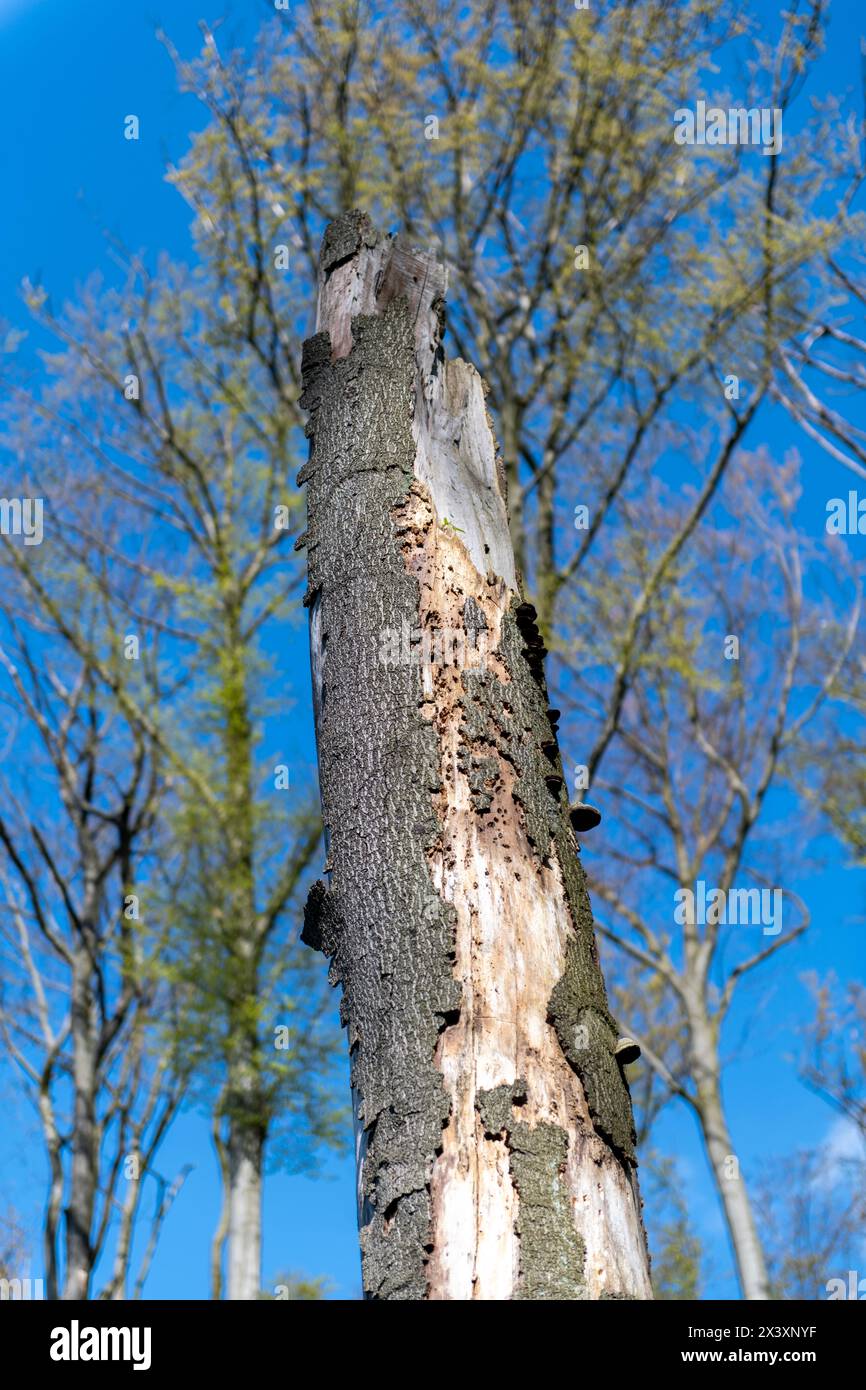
(493, 1124)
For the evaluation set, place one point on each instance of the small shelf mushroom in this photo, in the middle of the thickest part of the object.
(626, 1051)
(583, 817)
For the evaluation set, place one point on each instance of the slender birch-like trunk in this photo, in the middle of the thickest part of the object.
(245, 1148)
(245, 1102)
(732, 1190)
(242, 1111)
(494, 1128)
(85, 1146)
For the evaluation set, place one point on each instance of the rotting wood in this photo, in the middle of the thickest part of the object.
(494, 1131)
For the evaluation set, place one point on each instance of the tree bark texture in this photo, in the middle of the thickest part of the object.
(494, 1130)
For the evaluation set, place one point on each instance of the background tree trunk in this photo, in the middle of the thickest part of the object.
(245, 1153)
(494, 1128)
(245, 1214)
(83, 1179)
(733, 1193)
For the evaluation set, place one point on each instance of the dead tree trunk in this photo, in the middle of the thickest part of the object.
(494, 1129)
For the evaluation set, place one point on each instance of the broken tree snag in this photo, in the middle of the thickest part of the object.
(494, 1129)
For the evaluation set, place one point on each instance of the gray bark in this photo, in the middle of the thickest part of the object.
(246, 1111)
(732, 1190)
(245, 1158)
(494, 1130)
(85, 1144)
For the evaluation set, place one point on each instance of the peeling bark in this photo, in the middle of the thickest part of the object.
(494, 1129)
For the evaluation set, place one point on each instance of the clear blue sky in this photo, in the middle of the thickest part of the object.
(70, 71)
